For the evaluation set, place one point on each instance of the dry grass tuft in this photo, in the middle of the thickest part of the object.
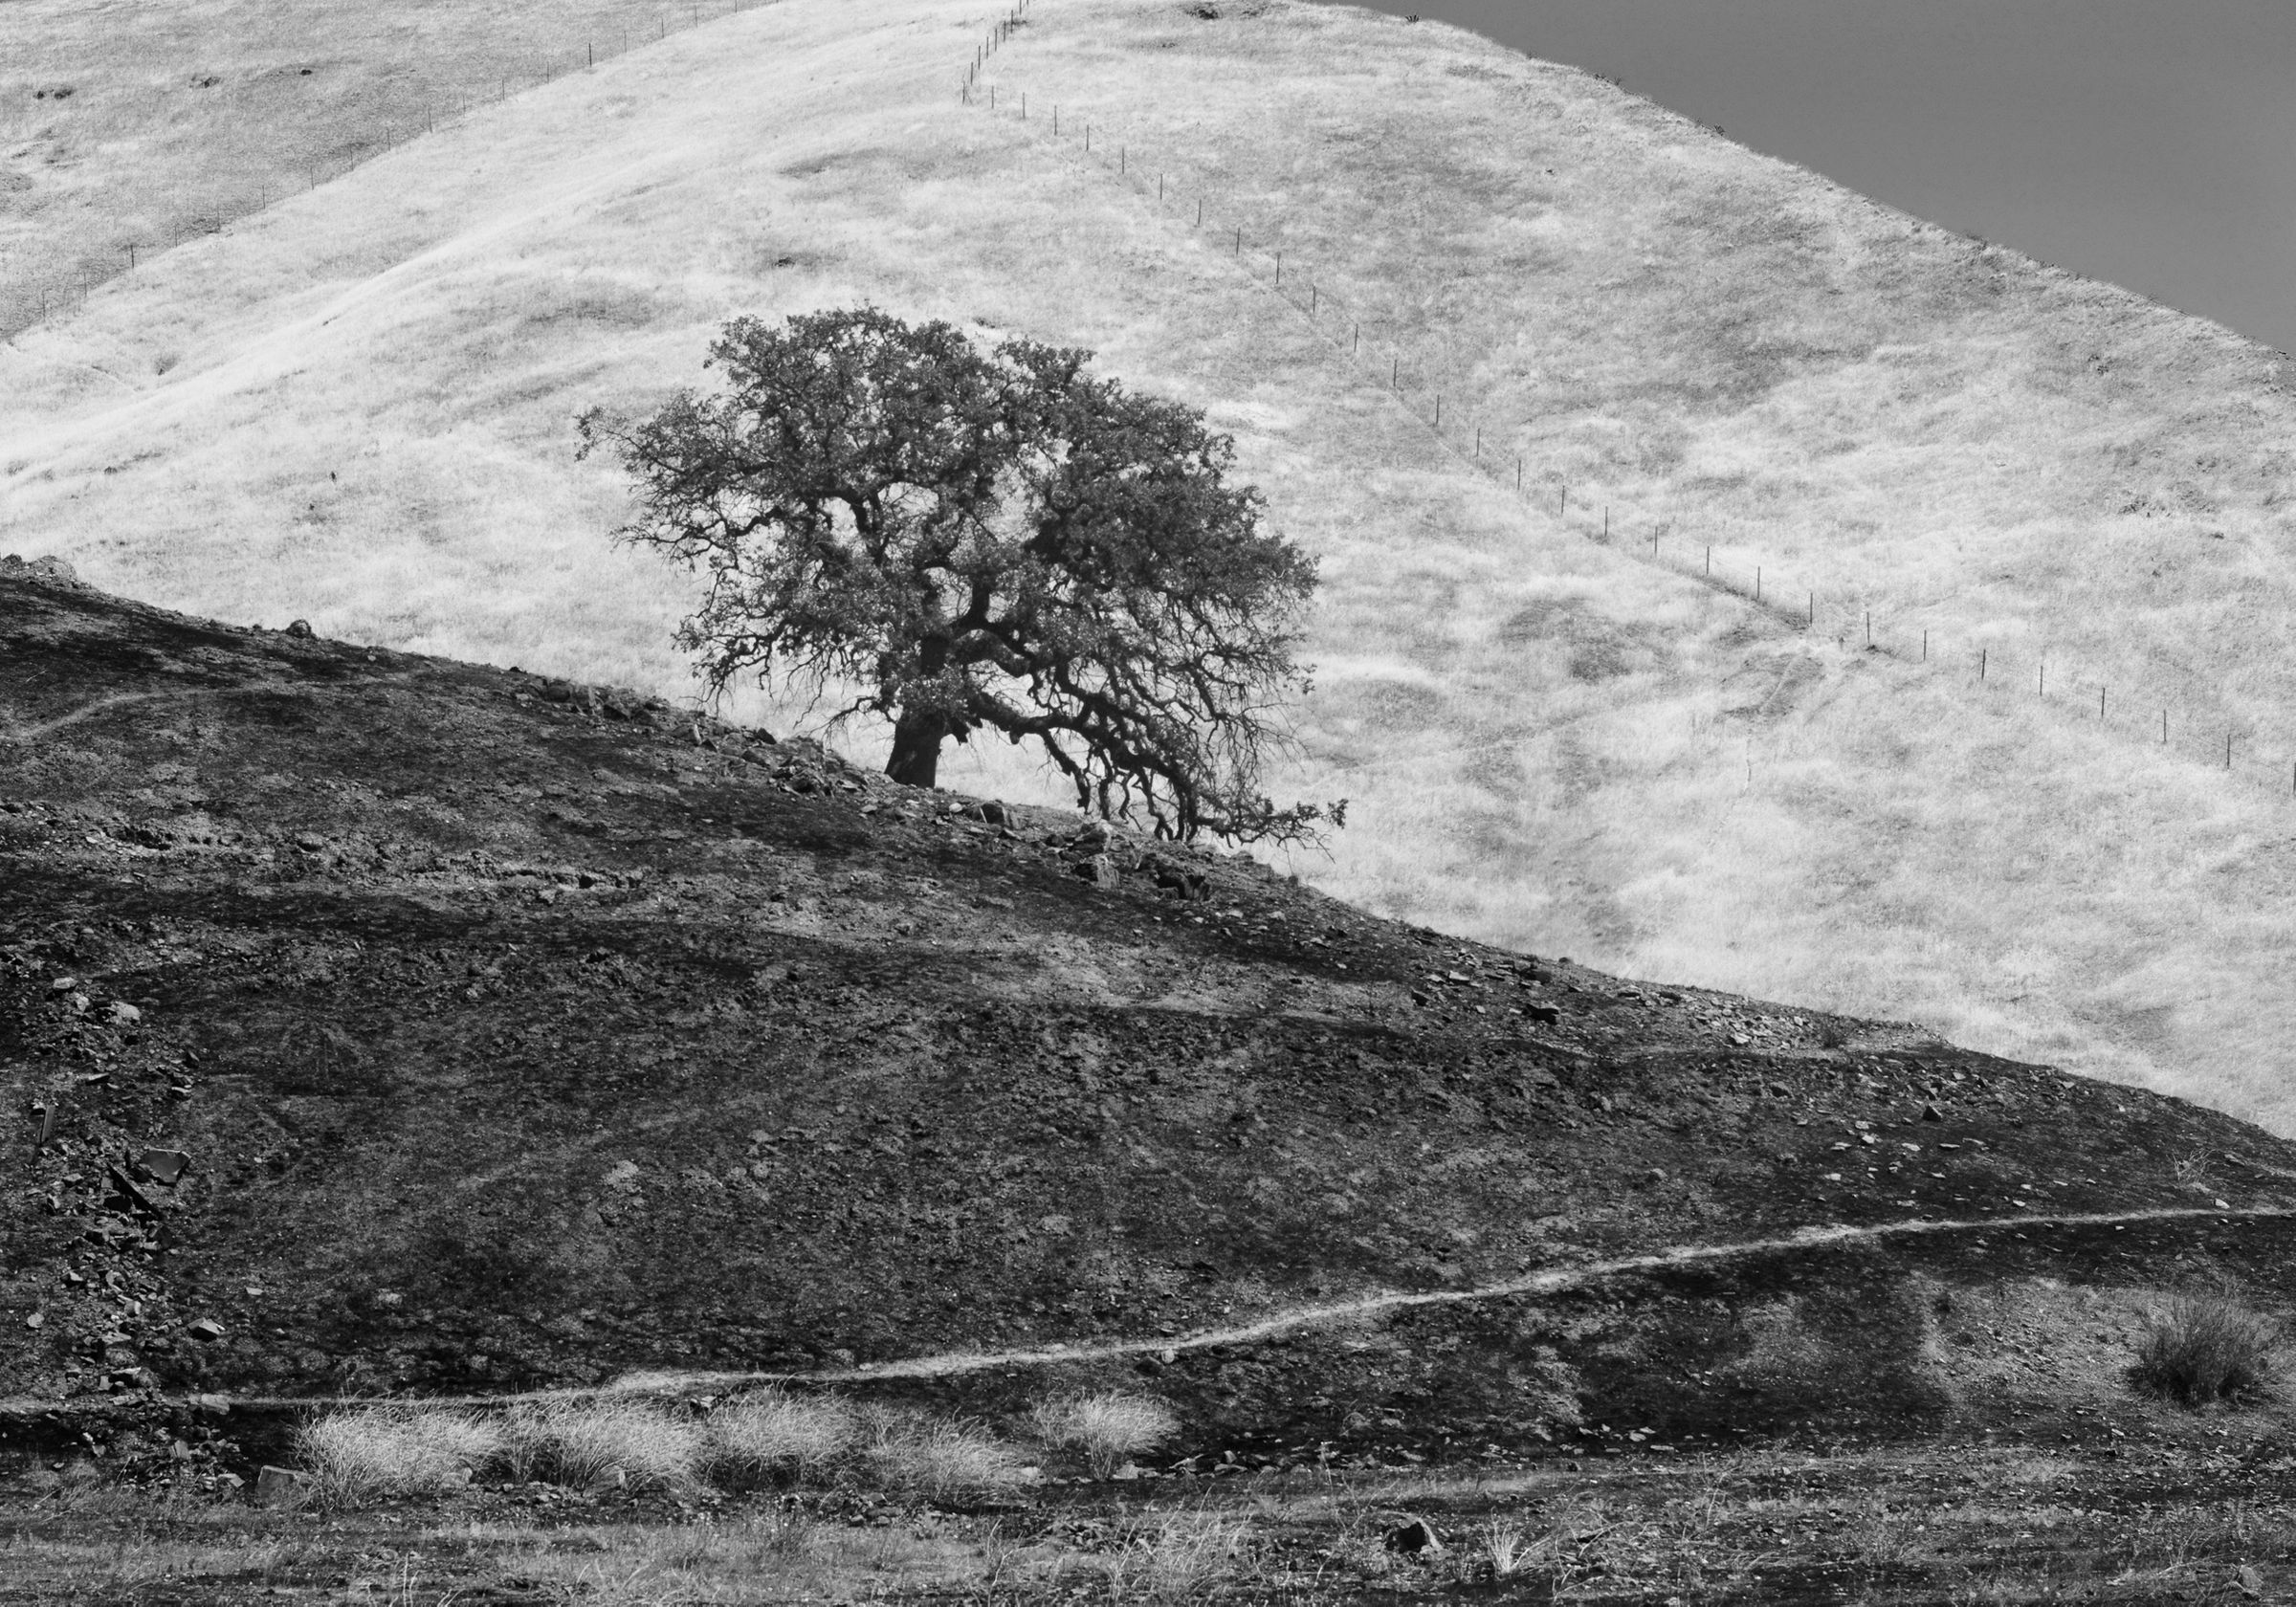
(378, 1452)
(2204, 1346)
(768, 1431)
(903, 1449)
(1108, 1428)
(584, 1443)
(1177, 1557)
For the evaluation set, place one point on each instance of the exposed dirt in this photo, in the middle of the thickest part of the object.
(517, 1036)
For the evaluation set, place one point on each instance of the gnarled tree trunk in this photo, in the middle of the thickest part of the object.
(916, 740)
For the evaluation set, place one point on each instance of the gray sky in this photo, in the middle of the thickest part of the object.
(2151, 143)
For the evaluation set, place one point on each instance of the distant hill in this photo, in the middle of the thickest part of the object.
(378, 1023)
(355, 408)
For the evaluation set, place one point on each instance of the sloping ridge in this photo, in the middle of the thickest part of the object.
(355, 408)
(380, 1025)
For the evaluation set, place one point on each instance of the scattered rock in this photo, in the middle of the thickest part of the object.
(207, 1331)
(165, 1166)
(38, 1319)
(1416, 1538)
(280, 1486)
(39, 569)
(125, 1013)
(300, 627)
(2249, 1580)
(1100, 871)
(1930, 1113)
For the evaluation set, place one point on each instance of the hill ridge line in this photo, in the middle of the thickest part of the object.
(953, 1363)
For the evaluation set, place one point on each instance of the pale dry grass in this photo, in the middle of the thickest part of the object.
(902, 1449)
(363, 421)
(180, 120)
(770, 1431)
(776, 1555)
(581, 1442)
(1108, 1428)
(386, 1452)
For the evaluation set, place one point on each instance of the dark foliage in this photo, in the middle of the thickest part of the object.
(974, 540)
(2207, 1346)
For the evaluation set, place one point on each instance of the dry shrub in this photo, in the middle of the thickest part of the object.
(376, 1452)
(1109, 1428)
(907, 1450)
(768, 1431)
(1184, 1557)
(2206, 1345)
(581, 1443)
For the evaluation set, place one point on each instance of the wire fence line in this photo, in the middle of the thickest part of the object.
(31, 301)
(2124, 709)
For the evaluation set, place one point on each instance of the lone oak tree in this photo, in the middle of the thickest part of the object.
(982, 540)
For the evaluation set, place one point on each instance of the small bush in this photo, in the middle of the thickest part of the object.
(380, 1451)
(1108, 1428)
(2204, 1346)
(767, 1431)
(580, 1443)
(907, 1450)
(1181, 1557)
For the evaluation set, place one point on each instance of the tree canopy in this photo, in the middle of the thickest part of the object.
(958, 540)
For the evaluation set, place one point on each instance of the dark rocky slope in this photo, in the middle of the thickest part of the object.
(515, 1035)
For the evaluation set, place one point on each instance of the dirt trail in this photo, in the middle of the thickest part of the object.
(1544, 1282)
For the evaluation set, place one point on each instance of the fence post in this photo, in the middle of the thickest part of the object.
(2099, 705)
(1358, 343)
(2228, 750)
(2044, 687)
(1518, 476)
(1279, 267)
(1311, 299)
(1478, 441)
(1869, 627)
(1562, 505)
(2164, 728)
(590, 50)
(1983, 654)
(1813, 610)
(1924, 647)
(1710, 561)
(1439, 410)
(1607, 521)
(1395, 373)
(1757, 583)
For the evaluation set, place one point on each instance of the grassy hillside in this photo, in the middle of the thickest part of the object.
(126, 131)
(380, 1024)
(355, 408)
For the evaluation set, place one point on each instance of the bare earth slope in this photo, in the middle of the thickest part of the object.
(375, 1023)
(355, 408)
